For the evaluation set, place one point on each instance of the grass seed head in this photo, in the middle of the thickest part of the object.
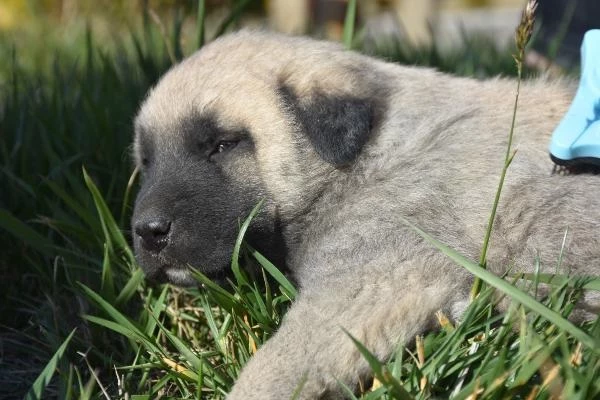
(525, 28)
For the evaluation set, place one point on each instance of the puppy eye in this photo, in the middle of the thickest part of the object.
(224, 146)
(144, 164)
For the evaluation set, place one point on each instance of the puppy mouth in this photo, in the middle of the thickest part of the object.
(181, 274)
(178, 275)
(174, 274)
(185, 277)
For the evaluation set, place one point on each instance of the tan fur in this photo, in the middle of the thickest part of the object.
(434, 157)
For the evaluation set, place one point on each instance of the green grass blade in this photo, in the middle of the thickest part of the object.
(35, 392)
(583, 282)
(118, 328)
(130, 183)
(298, 390)
(67, 389)
(198, 363)
(87, 390)
(21, 183)
(348, 34)
(212, 325)
(200, 23)
(287, 287)
(233, 16)
(23, 232)
(107, 286)
(158, 307)
(112, 232)
(177, 26)
(380, 371)
(223, 298)
(81, 210)
(121, 324)
(235, 256)
(130, 287)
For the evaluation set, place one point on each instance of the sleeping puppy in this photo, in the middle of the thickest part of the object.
(344, 148)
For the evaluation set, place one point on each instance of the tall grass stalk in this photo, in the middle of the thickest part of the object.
(522, 36)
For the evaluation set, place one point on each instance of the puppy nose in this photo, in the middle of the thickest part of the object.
(154, 233)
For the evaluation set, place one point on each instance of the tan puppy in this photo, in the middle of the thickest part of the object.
(342, 147)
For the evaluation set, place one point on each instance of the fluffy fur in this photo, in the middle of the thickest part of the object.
(342, 146)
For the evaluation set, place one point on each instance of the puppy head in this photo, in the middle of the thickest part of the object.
(249, 117)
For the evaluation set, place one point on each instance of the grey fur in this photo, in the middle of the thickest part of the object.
(432, 153)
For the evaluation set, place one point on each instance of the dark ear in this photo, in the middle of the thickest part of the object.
(337, 126)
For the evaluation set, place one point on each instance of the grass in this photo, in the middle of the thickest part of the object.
(67, 257)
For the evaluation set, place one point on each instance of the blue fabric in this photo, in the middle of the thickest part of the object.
(577, 137)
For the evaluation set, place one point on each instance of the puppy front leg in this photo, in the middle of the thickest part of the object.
(312, 352)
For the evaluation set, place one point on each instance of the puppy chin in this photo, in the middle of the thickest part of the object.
(167, 273)
(163, 269)
(179, 276)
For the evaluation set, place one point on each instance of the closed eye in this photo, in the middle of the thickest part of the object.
(223, 146)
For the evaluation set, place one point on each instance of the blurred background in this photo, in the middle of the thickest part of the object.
(292, 16)
(31, 25)
(419, 20)
(286, 15)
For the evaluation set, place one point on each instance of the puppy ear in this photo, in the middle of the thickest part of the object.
(338, 126)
